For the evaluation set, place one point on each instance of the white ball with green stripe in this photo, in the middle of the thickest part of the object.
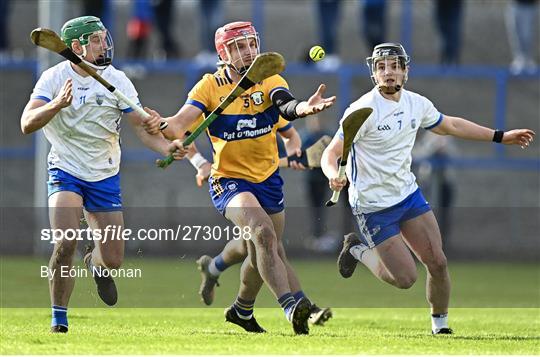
(316, 53)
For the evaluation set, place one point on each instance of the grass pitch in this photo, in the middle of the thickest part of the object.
(203, 331)
(495, 311)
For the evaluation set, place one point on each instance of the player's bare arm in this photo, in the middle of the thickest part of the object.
(155, 142)
(466, 129)
(38, 112)
(316, 103)
(181, 121)
(291, 108)
(329, 164)
(199, 162)
(152, 123)
(203, 169)
(293, 146)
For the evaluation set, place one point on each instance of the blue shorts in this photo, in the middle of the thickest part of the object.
(376, 227)
(269, 193)
(99, 196)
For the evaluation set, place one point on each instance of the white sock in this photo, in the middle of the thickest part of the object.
(213, 270)
(438, 322)
(357, 251)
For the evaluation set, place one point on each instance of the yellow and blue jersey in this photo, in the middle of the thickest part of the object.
(243, 137)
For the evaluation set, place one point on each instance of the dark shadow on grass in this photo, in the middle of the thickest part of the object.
(267, 334)
(230, 333)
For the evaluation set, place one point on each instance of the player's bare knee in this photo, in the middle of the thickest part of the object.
(437, 266)
(64, 252)
(264, 237)
(405, 281)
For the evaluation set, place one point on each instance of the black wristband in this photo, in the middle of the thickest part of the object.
(498, 136)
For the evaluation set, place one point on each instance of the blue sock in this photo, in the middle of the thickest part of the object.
(286, 301)
(298, 295)
(59, 316)
(220, 263)
(217, 266)
(244, 308)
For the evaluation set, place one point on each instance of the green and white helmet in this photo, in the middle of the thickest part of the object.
(83, 29)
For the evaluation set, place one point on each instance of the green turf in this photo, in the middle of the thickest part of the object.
(203, 331)
(495, 310)
(175, 282)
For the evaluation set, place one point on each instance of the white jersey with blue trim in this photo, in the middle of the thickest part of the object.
(379, 165)
(85, 137)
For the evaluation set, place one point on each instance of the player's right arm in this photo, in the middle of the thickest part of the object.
(39, 112)
(329, 163)
(200, 100)
(179, 128)
(187, 119)
(291, 108)
(181, 121)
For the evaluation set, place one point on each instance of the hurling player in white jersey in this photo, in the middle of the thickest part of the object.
(390, 210)
(81, 120)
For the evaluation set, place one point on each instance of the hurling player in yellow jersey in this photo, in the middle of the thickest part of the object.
(244, 182)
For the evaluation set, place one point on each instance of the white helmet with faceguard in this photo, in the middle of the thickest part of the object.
(89, 31)
(237, 36)
(388, 53)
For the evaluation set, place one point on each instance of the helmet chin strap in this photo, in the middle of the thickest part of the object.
(94, 65)
(98, 68)
(241, 71)
(389, 90)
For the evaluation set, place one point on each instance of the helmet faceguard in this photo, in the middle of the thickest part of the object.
(90, 31)
(388, 52)
(231, 38)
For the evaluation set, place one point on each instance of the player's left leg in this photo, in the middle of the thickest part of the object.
(423, 237)
(318, 315)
